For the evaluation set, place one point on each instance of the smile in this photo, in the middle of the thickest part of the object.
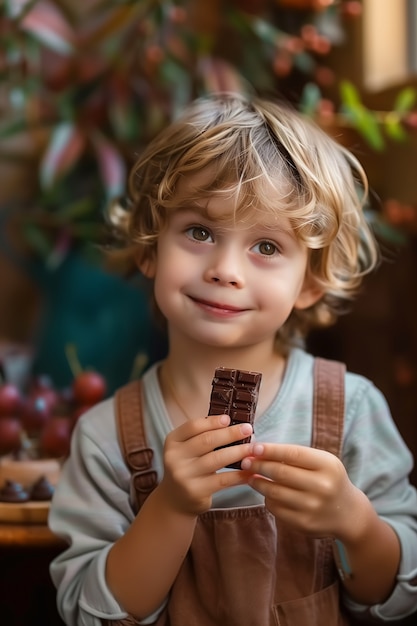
(217, 308)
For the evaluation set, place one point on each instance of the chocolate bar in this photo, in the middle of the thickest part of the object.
(235, 393)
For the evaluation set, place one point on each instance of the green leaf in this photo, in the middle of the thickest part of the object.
(37, 239)
(87, 230)
(405, 100)
(360, 117)
(173, 72)
(349, 94)
(239, 20)
(304, 62)
(310, 98)
(371, 131)
(367, 125)
(265, 31)
(14, 128)
(394, 128)
(76, 210)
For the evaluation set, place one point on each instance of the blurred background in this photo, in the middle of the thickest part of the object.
(85, 84)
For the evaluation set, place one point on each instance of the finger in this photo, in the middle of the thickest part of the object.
(209, 443)
(281, 495)
(192, 428)
(222, 457)
(291, 454)
(292, 507)
(210, 440)
(281, 473)
(214, 482)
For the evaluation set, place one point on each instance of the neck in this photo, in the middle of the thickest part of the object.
(188, 370)
(187, 357)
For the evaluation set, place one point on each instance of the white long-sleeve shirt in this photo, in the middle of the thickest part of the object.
(92, 505)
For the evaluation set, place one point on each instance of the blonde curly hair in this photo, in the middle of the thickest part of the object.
(271, 158)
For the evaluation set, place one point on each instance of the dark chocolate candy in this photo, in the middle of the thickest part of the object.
(13, 492)
(235, 393)
(42, 490)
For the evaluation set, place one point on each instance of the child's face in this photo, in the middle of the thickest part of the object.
(227, 283)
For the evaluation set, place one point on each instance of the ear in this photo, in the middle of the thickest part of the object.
(309, 294)
(147, 265)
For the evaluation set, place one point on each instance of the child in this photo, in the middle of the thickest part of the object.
(248, 222)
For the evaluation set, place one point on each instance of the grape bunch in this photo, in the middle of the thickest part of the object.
(38, 422)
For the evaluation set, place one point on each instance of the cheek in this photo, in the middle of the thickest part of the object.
(162, 289)
(170, 276)
(164, 278)
(279, 291)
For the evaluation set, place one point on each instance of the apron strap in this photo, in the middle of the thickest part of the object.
(328, 405)
(132, 439)
(328, 420)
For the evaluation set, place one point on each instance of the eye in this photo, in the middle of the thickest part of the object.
(199, 233)
(266, 248)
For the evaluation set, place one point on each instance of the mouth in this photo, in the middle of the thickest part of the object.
(219, 308)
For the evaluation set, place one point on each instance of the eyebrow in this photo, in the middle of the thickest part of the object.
(191, 205)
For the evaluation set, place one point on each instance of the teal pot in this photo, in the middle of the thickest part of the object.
(105, 317)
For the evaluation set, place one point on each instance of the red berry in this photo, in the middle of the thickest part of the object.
(282, 64)
(411, 120)
(10, 399)
(178, 15)
(352, 9)
(10, 435)
(89, 388)
(55, 437)
(35, 413)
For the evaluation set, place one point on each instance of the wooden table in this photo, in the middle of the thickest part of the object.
(28, 536)
(27, 595)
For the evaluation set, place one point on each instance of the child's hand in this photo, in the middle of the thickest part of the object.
(191, 462)
(305, 488)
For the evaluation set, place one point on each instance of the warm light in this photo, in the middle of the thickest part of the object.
(385, 42)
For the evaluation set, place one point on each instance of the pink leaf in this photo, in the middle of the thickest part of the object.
(66, 145)
(111, 164)
(47, 24)
(218, 76)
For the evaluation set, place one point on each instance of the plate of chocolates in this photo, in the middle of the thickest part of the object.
(25, 505)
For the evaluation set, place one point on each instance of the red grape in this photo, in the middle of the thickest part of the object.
(89, 388)
(36, 412)
(10, 399)
(55, 437)
(10, 435)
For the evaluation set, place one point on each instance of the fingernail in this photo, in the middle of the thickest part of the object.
(258, 449)
(245, 464)
(225, 420)
(246, 429)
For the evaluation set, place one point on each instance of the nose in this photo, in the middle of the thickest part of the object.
(226, 268)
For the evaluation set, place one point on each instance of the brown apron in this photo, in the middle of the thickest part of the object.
(245, 568)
